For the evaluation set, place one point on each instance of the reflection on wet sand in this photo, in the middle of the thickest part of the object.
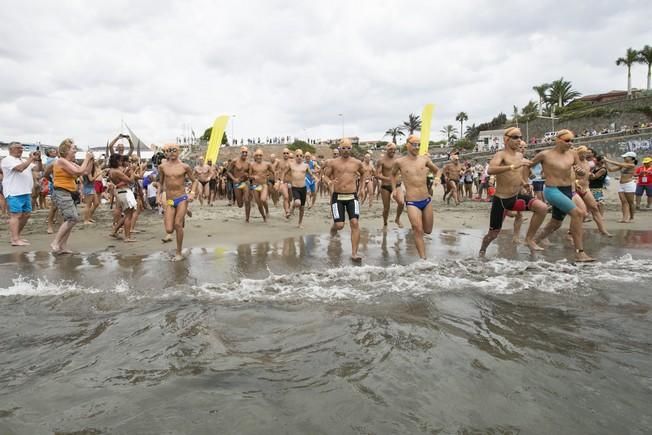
(310, 252)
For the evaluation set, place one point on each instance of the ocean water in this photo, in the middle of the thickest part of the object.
(291, 337)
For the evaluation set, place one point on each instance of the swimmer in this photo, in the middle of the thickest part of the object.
(259, 173)
(383, 172)
(508, 167)
(341, 174)
(558, 164)
(418, 203)
(173, 175)
(238, 173)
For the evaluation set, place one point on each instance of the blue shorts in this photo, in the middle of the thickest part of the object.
(88, 189)
(560, 199)
(644, 188)
(598, 195)
(310, 185)
(537, 186)
(20, 203)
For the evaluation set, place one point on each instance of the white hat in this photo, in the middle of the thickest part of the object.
(631, 154)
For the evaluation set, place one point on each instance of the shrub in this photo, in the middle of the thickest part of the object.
(301, 145)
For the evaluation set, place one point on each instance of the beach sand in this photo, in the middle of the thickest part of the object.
(223, 225)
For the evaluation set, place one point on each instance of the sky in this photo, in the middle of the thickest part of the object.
(81, 69)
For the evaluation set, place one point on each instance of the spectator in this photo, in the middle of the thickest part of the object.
(17, 184)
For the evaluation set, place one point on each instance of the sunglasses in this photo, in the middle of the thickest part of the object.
(516, 137)
(286, 154)
(172, 150)
(345, 148)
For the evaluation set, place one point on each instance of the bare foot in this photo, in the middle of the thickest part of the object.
(167, 238)
(177, 257)
(533, 245)
(356, 258)
(50, 230)
(606, 233)
(517, 241)
(581, 257)
(544, 242)
(300, 226)
(113, 235)
(623, 221)
(130, 240)
(482, 254)
(398, 223)
(87, 222)
(20, 243)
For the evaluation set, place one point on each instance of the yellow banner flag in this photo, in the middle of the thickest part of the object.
(215, 142)
(426, 118)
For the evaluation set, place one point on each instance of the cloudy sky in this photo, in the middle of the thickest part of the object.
(78, 68)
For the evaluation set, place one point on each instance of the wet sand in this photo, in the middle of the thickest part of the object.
(222, 226)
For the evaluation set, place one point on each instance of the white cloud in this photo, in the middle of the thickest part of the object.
(76, 68)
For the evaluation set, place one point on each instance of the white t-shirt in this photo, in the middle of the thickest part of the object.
(151, 190)
(16, 183)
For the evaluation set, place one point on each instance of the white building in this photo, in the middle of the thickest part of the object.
(490, 138)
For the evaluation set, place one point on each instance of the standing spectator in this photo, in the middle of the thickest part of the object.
(644, 182)
(17, 184)
(66, 194)
(627, 186)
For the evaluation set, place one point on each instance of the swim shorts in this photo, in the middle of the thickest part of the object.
(300, 194)
(560, 197)
(341, 202)
(500, 206)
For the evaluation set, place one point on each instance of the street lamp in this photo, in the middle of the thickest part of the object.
(342, 121)
(551, 118)
(232, 129)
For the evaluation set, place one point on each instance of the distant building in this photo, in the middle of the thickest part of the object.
(490, 138)
(606, 97)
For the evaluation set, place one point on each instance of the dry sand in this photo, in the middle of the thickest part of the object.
(222, 225)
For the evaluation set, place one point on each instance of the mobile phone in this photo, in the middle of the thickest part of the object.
(38, 148)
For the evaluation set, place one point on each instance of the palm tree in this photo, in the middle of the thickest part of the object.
(561, 92)
(413, 123)
(471, 131)
(394, 133)
(645, 56)
(541, 92)
(450, 132)
(515, 113)
(530, 108)
(461, 117)
(630, 58)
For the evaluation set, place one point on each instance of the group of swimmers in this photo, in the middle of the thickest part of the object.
(571, 186)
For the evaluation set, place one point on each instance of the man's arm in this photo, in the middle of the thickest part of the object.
(24, 165)
(576, 165)
(195, 184)
(161, 178)
(111, 150)
(131, 144)
(229, 172)
(379, 172)
(433, 168)
(394, 174)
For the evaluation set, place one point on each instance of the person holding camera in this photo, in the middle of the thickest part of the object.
(65, 194)
(17, 184)
(120, 148)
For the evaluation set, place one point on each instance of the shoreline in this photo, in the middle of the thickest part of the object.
(223, 225)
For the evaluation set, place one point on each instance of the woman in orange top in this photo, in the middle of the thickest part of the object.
(65, 172)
